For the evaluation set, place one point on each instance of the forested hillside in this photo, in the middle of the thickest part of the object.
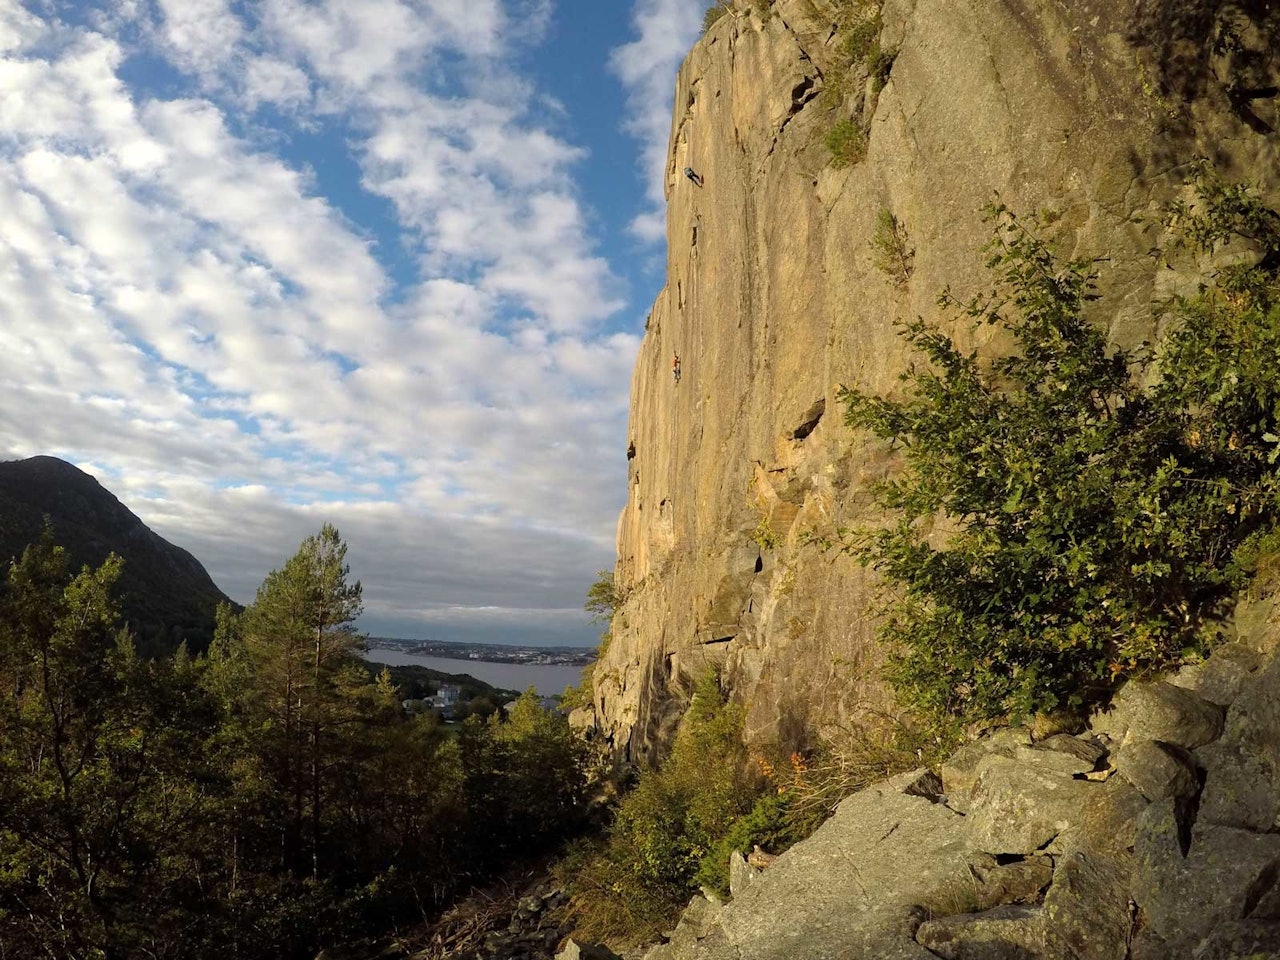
(259, 801)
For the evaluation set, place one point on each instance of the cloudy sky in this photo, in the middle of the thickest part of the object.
(384, 263)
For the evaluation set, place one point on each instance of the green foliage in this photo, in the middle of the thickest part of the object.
(891, 251)
(603, 598)
(769, 824)
(632, 888)
(1091, 522)
(583, 695)
(764, 536)
(603, 601)
(879, 64)
(860, 35)
(98, 780)
(713, 15)
(847, 143)
(256, 803)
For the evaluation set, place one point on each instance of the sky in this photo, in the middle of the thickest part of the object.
(266, 264)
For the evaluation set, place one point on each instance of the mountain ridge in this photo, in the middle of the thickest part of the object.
(166, 595)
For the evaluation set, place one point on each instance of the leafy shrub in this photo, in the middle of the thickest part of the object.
(858, 27)
(603, 601)
(634, 885)
(1095, 520)
(847, 143)
(768, 825)
(879, 64)
(764, 536)
(603, 598)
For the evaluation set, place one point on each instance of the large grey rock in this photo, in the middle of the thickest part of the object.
(1160, 771)
(1063, 754)
(960, 770)
(1240, 785)
(1219, 879)
(1004, 933)
(1242, 940)
(1160, 711)
(696, 921)
(995, 884)
(1220, 678)
(1019, 808)
(1242, 770)
(856, 881)
(1088, 906)
(740, 873)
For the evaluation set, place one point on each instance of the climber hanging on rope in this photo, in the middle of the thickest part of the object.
(694, 177)
(675, 367)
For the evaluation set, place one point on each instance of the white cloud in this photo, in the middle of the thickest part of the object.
(647, 68)
(184, 308)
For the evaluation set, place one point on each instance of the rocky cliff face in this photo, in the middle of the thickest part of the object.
(1089, 110)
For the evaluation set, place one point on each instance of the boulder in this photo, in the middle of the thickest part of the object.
(1242, 770)
(1220, 877)
(996, 883)
(1004, 933)
(1242, 940)
(1019, 808)
(848, 884)
(740, 873)
(1160, 771)
(1240, 787)
(1220, 678)
(960, 770)
(1063, 753)
(1159, 711)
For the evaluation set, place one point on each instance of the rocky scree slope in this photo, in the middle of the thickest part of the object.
(1090, 111)
(1153, 835)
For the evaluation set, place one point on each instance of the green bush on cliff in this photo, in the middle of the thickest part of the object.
(847, 143)
(1058, 527)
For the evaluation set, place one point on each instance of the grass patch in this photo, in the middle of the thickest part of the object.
(847, 143)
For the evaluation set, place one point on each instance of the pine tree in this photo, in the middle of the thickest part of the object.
(298, 636)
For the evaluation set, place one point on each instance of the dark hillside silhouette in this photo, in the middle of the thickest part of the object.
(166, 596)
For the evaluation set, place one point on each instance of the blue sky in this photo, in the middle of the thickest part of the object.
(382, 263)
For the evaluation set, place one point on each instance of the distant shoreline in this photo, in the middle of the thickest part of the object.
(547, 678)
(523, 655)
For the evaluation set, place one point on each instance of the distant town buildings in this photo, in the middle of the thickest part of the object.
(446, 697)
(487, 652)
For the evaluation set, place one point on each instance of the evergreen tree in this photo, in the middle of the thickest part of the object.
(101, 785)
(297, 639)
